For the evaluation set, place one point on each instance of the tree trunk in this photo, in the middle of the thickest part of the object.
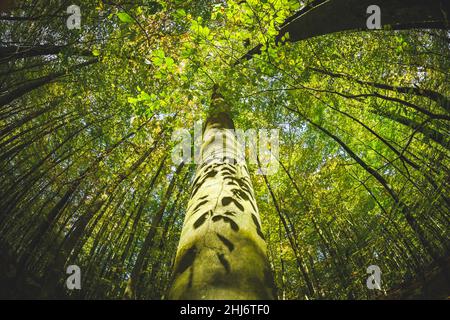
(17, 52)
(222, 251)
(331, 16)
(133, 281)
(36, 83)
(342, 15)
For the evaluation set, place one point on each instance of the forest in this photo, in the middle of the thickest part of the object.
(123, 174)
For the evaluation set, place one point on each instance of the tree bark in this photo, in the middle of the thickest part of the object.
(331, 16)
(34, 84)
(439, 98)
(133, 282)
(17, 52)
(222, 253)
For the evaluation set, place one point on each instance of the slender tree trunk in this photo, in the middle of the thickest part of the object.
(439, 98)
(133, 282)
(412, 221)
(222, 251)
(426, 130)
(16, 52)
(36, 83)
(291, 234)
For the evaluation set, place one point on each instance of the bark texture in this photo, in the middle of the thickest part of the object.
(222, 251)
(330, 16)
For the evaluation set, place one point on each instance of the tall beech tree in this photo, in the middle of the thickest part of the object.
(222, 251)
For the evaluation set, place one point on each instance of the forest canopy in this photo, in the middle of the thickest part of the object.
(90, 99)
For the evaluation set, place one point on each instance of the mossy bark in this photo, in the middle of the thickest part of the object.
(222, 251)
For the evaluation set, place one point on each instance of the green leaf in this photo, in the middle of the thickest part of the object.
(180, 13)
(124, 17)
(132, 100)
(158, 61)
(169, 62)
(144, 96)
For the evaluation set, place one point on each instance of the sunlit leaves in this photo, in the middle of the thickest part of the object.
(124, 17)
